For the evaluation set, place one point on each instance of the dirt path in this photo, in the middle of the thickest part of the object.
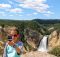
(37, 54)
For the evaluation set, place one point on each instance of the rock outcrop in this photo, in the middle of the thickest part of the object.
(54, 39)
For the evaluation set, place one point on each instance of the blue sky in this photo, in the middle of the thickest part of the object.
(29, 9)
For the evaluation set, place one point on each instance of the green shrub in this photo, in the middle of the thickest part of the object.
(55, 51)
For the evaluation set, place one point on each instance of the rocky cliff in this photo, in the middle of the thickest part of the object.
(54, 39)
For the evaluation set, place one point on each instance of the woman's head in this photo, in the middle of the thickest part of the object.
(14, 32)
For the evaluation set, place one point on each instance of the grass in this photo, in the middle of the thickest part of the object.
(55, 51)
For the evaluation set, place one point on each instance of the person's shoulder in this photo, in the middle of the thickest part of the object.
(6, 43)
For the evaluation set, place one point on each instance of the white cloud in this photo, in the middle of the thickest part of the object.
(19, 0)
(11, 15)
(16, 10)
(23, 0)
(48, 13)
(5, 6)
(26, 1)
(15, 15)
(29, 14)
(2, 14)
(35, 13)
(10, 2)
(37, 5)
(35, 1)
(20, 15)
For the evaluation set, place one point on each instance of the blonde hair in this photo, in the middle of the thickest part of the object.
(11, 28)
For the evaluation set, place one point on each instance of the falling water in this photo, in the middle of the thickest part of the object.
(43, 44)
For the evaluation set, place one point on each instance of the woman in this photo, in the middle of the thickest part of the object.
(14, 46)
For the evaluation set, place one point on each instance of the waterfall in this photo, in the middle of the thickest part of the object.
(43, 44)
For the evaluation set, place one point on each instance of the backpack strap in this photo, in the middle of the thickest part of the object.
(5, 51)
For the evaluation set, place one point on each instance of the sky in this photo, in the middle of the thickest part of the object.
(29, 9)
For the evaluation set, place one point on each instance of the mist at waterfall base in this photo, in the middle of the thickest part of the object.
(43, 44)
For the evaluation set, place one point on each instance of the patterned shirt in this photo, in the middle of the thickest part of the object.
(10, 51)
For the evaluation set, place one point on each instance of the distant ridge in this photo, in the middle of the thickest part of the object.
(41, 21)
(9, 20)
(46, 21)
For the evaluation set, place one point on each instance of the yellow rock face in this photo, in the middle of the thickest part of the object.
(54, 39)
